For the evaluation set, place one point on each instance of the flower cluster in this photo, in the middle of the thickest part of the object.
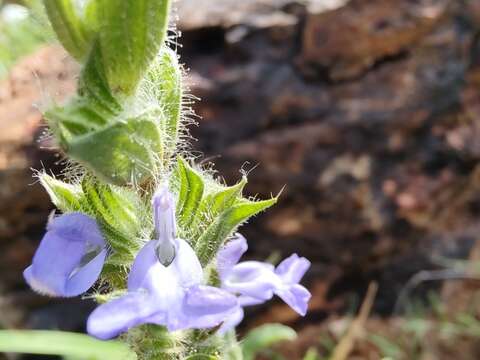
(166, 281)
(124, 130)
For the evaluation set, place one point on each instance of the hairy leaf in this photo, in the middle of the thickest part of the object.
(216, 234)
(163, 84)
(124, 152)
(64, 196)
(91, 128)
(68, 24)
(122, 139)
(131, 34)
(190, 192)
(215, 203)
(116, 213)
(93, 85)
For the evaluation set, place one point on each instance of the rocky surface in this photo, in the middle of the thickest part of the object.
(367, 110)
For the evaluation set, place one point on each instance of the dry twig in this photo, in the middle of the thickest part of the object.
(347, 343)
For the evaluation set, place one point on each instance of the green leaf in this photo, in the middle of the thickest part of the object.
(64, 196)
(386, 346)
(163, 82)
(125, 152)
(312, 354)
(115, 275)
(90, 16)
(76, 119)
(69, 27)
(202, 357)
(214, 237)
(136, 135)
(264, 337)
(94, 108)
(190, 192)
(116, 206)
(219, 201)
(116, 210)
(131, 34)
(63, 344)
(93, 85)
(93, 123)
(216, 202)
(123, 245)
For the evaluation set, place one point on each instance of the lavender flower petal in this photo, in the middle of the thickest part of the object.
(82, 278)
(292, 269)
(165, 284)
(232, 321)
(202, 300)
(154, 294)
(237, 316)
(119, 315)
(207, 306)
(164, 213)
(230, 254)
(252, 278)
(257, 282)
(296, 296)
(79, 241)
(180, 299)
(164, 295)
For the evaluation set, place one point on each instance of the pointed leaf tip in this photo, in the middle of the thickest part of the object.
(216, 234)
(191, 188)
(66, 197)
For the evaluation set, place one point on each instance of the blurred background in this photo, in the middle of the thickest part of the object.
(367, 110)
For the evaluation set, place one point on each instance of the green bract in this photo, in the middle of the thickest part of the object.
(215, 211)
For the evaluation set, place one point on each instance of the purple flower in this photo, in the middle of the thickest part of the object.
(164, 285)
(70, 257)
(237, 316)
(256, 282)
